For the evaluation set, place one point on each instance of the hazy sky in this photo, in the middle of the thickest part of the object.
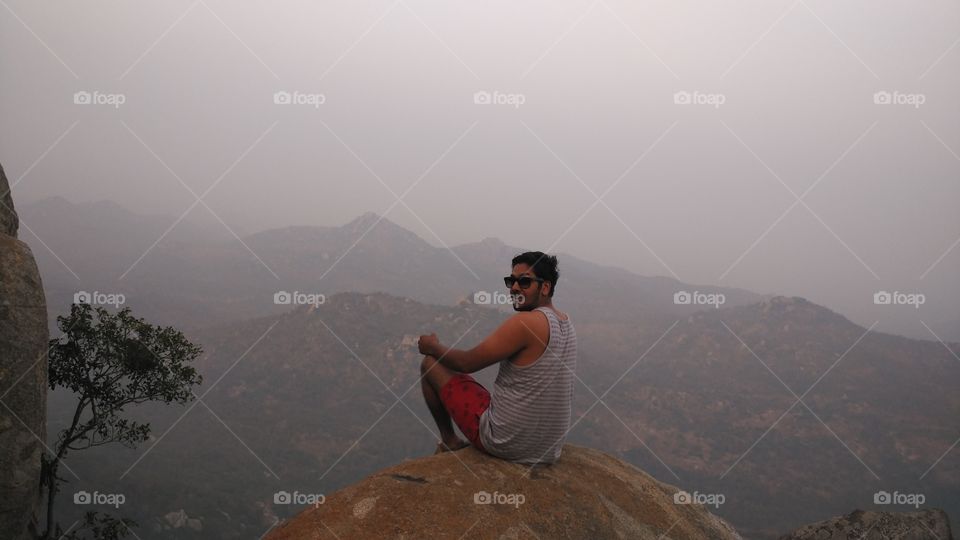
(781, 99)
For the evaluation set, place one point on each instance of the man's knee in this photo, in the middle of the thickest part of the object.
(435, 373)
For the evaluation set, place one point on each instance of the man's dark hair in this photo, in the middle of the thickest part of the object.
(543, 265)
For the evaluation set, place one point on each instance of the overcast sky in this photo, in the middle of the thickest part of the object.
(578, 100)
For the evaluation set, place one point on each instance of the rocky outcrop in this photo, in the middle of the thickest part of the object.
(922, 525)
(468, 494)
(9, 223)
(179, 520)
(23, 376)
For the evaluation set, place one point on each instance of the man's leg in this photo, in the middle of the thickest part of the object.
(433, 376)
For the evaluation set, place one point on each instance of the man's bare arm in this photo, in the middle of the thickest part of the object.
(508, 339)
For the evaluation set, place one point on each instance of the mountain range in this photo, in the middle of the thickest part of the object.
(789, 409)
(102, 247)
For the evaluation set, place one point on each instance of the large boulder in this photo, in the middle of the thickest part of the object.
(23, 377)
(8, 216)
(468, 494)
(931, 524)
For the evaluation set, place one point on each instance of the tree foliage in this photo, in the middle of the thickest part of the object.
(110, 361)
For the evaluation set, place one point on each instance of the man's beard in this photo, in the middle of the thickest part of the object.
(527, 304)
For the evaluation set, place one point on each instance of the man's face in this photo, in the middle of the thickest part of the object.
(530, 297)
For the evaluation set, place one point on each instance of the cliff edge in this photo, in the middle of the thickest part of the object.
(23, 376)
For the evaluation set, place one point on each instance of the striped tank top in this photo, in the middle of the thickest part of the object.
(529, 412)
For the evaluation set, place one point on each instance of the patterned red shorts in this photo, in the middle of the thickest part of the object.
(466, 399)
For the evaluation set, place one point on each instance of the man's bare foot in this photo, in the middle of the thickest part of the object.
(456, 444)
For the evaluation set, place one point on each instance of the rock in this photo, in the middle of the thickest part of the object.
(267, 517)
(922, 525)
(23, 377)
(468, 494)
(9, 222)
(176, 519)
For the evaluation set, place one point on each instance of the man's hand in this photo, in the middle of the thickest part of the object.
(429, 344)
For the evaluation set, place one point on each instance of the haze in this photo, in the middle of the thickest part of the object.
(584, 106)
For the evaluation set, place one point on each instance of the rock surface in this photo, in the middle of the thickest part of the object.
(585, 494)
(23, 376)
(922, 525)
(9, 223)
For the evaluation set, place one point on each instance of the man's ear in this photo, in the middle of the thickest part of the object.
(546, 288)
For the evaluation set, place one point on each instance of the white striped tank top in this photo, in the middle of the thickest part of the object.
(529, 412)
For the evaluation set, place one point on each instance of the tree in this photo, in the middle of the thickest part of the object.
(110, 361)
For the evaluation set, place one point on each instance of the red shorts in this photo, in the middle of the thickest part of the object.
(465, 400)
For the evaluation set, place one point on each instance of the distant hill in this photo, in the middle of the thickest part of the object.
(200, 274)
(294, 409)
(55, 217)
(703, 398)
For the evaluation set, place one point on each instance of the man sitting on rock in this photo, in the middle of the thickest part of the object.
(527, 418)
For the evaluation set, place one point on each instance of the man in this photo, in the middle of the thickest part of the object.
(527, 418)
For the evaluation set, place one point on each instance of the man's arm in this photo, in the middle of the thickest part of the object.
(508, 339)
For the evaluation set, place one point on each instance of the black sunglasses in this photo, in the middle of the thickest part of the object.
(524, 281)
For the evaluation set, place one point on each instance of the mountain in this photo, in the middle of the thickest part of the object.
(290, 408)
(86, 222)
(694, 394)
(716, 400)
(88, 247)
(468, 494)
(199, 274)
(368, 254)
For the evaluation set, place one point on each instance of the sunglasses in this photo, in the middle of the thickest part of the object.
(523, 281)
